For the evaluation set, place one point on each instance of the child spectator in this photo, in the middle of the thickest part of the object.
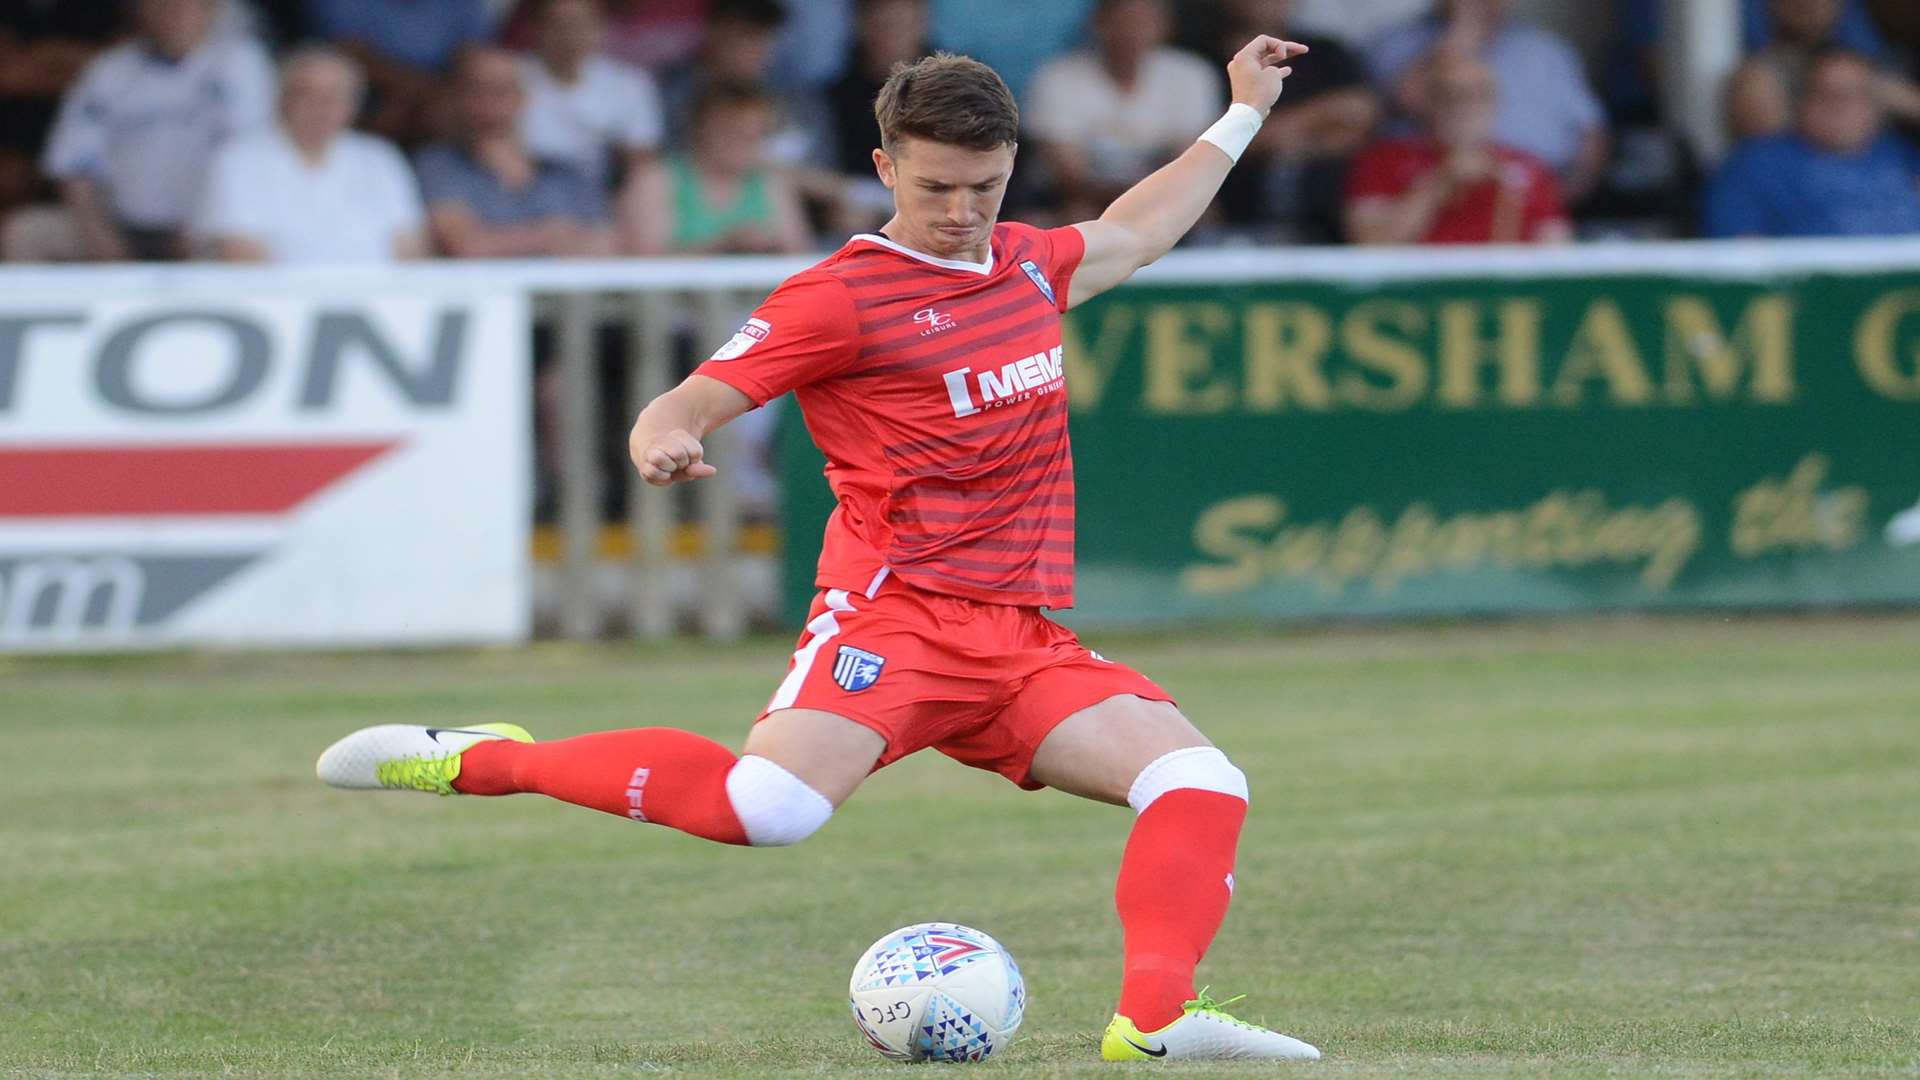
(719, 196)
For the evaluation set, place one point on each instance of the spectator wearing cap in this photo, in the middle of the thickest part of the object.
(720, 196)
(1839, 172)
(585, 108)
(1107, 116)
(403, 46)
(310, 189)
(1788, 34)
(487, 195)
(1454, 183)
(1293, 174)
(1546, 107)
(134, 136)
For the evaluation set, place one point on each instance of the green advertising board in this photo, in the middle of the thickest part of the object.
(1362, 445)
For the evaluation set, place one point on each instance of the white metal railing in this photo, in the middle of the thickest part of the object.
(656, 299)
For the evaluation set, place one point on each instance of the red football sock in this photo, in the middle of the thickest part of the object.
(1172, 897)
(662, 775)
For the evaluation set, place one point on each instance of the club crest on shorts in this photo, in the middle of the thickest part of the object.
(856, 669)
(1039, 277)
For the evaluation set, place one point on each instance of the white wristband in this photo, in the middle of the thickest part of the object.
(1234, 130)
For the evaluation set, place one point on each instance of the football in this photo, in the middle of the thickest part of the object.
(937, 992)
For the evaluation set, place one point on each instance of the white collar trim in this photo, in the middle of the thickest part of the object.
(981, 268)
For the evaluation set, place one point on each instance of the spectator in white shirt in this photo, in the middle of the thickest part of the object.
(135, 134)
(583, 107)
(311, 190)
(1108, 116)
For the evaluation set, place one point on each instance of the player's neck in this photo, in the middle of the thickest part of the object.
(905, 237)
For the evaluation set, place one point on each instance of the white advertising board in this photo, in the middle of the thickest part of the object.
(226, 459)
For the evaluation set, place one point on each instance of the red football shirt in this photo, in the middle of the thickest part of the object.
(935, 389)
(1509, 207)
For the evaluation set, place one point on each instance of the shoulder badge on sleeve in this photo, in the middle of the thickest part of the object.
(752, 334)
(1039, 277)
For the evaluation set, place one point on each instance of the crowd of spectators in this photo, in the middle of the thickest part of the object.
(391, 129)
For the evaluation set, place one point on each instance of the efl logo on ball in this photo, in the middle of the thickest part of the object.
(937, 992)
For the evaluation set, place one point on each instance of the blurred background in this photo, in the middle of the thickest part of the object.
(323, 320)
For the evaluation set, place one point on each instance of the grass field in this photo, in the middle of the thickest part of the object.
(1667, 848)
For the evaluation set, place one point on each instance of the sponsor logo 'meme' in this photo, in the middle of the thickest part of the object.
(1041, 373)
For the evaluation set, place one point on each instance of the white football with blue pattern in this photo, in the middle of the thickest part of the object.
(937, 992)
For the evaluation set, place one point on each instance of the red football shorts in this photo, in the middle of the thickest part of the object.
(981, 683)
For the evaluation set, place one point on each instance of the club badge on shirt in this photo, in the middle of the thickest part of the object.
(856, 669)
(747, 337)
(1039, 277)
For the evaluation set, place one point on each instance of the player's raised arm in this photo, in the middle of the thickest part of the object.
(665, 443)
(1154, 214)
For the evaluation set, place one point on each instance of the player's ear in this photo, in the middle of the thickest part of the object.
(883, 165)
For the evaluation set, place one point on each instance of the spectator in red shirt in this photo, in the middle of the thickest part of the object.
(1454, 184)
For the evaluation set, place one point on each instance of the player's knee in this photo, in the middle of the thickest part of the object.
(775, 807)
(1203, 768)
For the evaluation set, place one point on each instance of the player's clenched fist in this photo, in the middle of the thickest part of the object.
(669, 457)
(1257, 72)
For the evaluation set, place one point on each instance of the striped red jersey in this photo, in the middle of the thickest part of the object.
(935, 389)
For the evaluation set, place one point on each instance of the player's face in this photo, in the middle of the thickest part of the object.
(945, 198)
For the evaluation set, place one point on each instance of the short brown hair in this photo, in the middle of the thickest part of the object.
(949, 99)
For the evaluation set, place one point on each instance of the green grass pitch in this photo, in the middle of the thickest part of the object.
(1612, 848)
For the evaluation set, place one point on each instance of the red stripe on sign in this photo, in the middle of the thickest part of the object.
(142, 481)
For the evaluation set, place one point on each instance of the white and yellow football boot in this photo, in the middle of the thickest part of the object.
(1203, 1033)
(407, 757)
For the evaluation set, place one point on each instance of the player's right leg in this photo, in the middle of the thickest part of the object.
(798, 766)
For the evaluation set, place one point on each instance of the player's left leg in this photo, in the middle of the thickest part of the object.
(798, 766)
(1176, 875)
